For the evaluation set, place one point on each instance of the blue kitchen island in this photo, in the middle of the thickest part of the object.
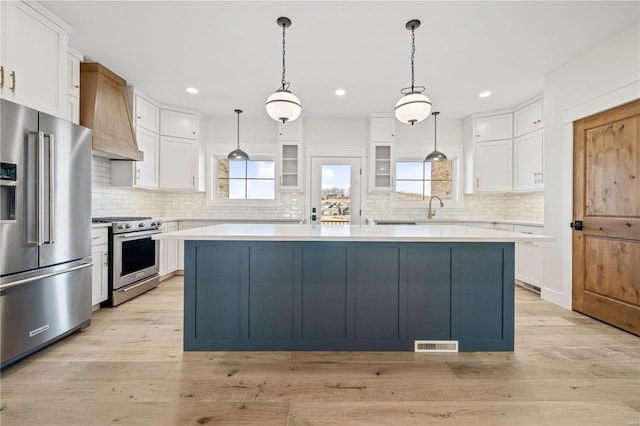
(337, 288)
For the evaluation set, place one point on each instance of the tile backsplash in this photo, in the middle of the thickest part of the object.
(512, 206)
(121, 201)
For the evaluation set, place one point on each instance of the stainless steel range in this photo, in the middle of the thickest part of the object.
(133, 257)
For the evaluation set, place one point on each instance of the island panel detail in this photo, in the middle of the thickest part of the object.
(257, 295)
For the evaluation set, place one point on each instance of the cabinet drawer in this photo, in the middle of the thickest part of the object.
(99, 236)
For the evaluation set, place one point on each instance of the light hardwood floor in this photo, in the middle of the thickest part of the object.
(128, 368)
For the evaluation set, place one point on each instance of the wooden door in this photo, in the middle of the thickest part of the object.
(606, 252)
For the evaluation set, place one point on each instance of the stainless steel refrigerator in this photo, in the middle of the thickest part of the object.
(45, 230)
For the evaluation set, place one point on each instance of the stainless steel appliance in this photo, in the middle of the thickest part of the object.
(45, 230)
(134, 256)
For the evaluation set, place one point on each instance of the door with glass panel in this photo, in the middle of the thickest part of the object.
(335, 191)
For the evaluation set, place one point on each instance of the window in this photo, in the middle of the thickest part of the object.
(417, 180)
(245, 180)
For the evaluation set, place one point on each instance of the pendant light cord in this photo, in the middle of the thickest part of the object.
(283, 54)
(238, 130)
(435, 132)
(413, 53)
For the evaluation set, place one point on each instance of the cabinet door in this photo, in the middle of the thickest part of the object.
(493, 166)
(382, 129)
(380, 163)
(147, 115)
(178, 124)
(290, 131)
(528, 119)
(172, 249)
(291, 166)
(177, 163)
(73, 86)
(100, 273)
(147, 170)
(34, 59)
(527, 156)
(493, 127)
(73, 75)
(529, 263)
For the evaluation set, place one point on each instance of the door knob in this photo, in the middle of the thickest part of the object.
(577, 225)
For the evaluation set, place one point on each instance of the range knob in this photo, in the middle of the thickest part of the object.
(141, 225)
(127, 226)
(120, 226)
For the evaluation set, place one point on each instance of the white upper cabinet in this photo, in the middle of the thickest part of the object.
(290, 131)
(382, 128)
(290, 136)
(33, 60)
(527, 155)
(179, 124)
(145, 119)
(493, 127)
(382, 135)
(528, 118)
(177, 163)
(73, 85)
(494, 166)
(147, 115)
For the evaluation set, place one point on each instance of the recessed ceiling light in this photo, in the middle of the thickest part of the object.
(192, 90)
(340, 92)
(485, 94)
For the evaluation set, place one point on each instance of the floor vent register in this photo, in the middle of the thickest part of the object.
(436, 346)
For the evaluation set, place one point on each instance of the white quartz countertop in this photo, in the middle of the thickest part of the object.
(359, 233)
(441, 221)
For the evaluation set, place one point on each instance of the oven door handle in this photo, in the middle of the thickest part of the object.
(137, 234)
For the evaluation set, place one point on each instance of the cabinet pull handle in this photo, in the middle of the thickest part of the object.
(477, 182)
(13, 81)
(1, 76)
(106, 259)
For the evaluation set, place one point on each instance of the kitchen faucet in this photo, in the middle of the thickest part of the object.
(432, 213)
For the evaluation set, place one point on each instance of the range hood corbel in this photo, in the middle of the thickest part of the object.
(104, 110)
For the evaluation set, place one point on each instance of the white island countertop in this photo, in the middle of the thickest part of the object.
(346, 233)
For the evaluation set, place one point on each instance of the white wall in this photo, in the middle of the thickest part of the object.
(606, 76)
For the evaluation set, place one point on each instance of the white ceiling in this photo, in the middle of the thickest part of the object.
(231, 50)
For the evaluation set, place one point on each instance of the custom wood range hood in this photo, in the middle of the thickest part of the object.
(104, 110)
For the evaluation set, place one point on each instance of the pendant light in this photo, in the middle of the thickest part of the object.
(283, 105)
(238, 154)
(413, 107)
(435, 155)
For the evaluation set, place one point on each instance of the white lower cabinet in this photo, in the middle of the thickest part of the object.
(529, 257)
(100, 271)
(168, 251)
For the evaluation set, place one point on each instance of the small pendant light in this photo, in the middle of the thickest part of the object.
(238, 154)
(413, 107)
(435, 155)
(283, 105)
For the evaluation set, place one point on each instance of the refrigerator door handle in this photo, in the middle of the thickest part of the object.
(40, 188)
(39, 277)
(52, 190)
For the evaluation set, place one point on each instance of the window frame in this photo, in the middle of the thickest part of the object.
(212, 183)
(457, 179)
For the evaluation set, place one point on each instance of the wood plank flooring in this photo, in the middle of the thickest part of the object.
(128, 368)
